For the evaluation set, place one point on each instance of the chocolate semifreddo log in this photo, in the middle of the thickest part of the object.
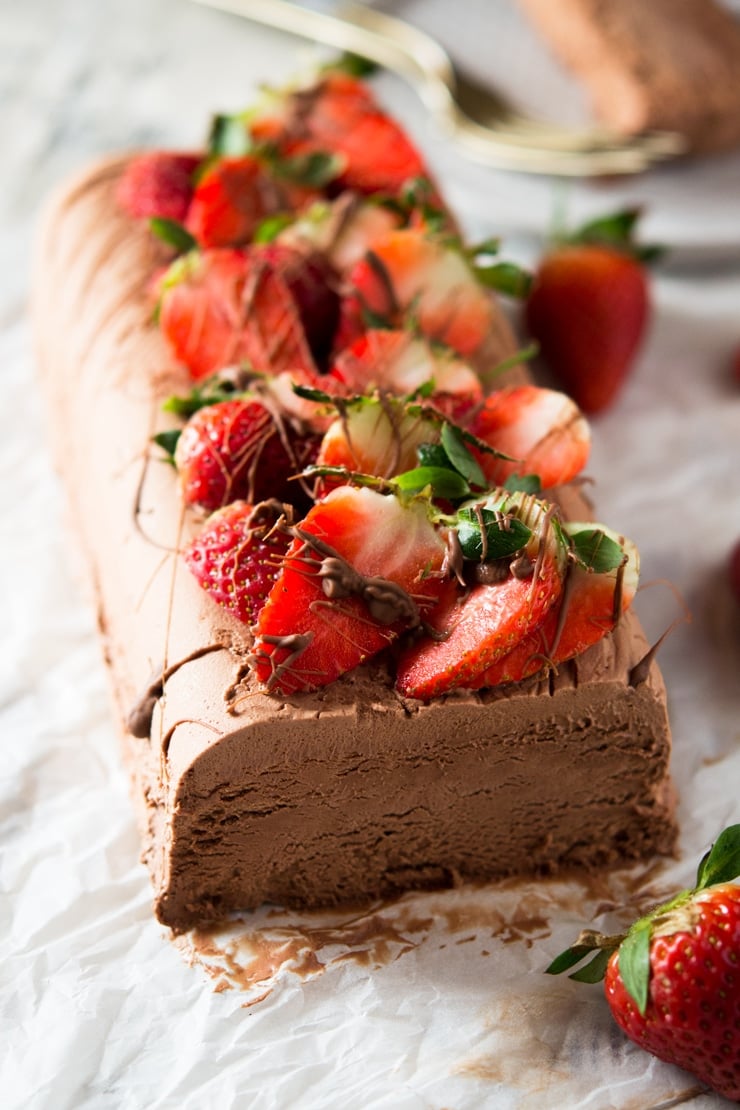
(345, 794)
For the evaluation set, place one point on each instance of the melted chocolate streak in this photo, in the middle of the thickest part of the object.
(386, 601)
(139, 721)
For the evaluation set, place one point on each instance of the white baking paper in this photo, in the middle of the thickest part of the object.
(435, 1000)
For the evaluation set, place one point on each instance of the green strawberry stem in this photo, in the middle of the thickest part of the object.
(721, 864)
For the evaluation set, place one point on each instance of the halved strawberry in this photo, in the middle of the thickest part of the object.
(226, 306)
(363, 567)
(158, 184)
(396, 362)
(238, 555)
(231, 199)
(475, 628)
(312, 284)
(340, 230)
(589, 607)
(411, 277)
(234, 195)
(376, 435)
(339, 115)
(235, 450)
(543, 431)
(201, 310)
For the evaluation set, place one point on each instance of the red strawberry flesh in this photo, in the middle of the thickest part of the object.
(360, 571)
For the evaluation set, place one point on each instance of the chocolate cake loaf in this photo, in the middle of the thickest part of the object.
(669, 65)
(246, 792)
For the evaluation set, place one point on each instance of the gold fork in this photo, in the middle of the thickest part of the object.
(478, 119)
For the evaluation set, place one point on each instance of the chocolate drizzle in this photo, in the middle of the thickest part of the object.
(139, 720)
(387, 602)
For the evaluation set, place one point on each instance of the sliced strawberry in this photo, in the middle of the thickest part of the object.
(376, 436)
(410, 277)
(158, 184)
(589, 608)
(341, 230)
(238, 555)
(362, 569)
(476, 628)
(225, 306)
(234, 196)
(396, 362)
(312, 284)
(235, 450)
(201, 311)
(543, 431)
(339, 115)
(231, 199)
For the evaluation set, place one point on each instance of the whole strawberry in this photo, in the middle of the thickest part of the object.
(238, 555)
(589, 307)
(158, 184)
(673, 982)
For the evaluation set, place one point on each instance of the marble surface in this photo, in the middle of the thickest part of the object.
(97, 1009)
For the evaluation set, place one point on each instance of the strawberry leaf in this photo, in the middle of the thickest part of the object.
(308, 393)
(168, 442)
(212, 392)
(523, 483)
(594, 970)
(596, 551)
(505, 277)
(460, 457)
(354, 65)
(617, 230)
(569, 958)
(229, 137)
(374, 320)
(442, 481)
(418, 195)
(432, 454)
(173, 234)
(315, 169)
(634, 962)
(721, 864)
(503, 537)
(271, 227)
(487, 247)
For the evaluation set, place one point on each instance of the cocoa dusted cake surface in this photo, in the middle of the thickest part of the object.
(346, 793)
